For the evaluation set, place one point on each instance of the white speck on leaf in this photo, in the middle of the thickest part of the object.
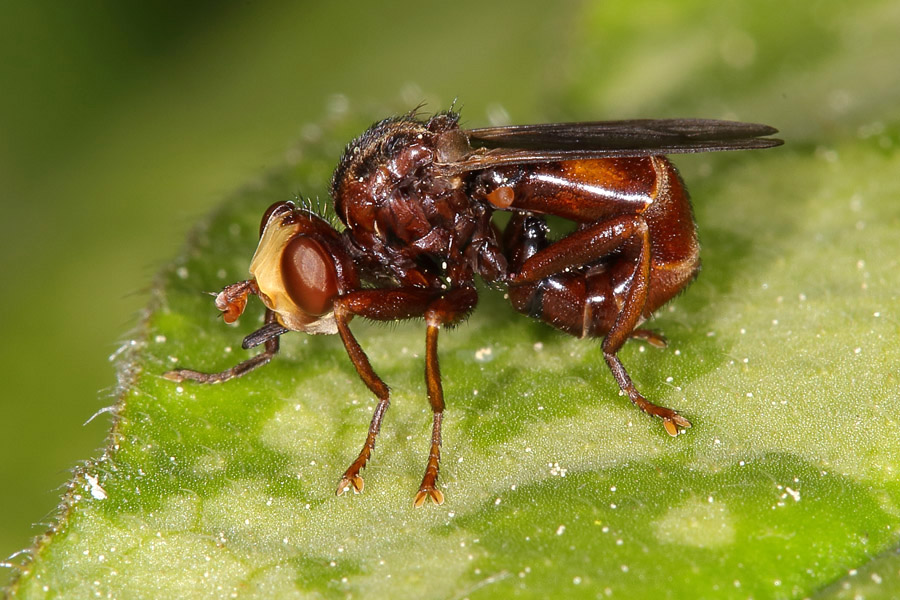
(97, 492)
(483, 354)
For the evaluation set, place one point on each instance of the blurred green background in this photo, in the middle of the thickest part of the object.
(122, 123)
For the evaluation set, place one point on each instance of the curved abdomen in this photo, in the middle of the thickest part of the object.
(585, 299)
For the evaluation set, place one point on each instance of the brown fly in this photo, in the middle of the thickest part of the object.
(416, 199)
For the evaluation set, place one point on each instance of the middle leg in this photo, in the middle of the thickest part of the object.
(448, 310)
(440, 308)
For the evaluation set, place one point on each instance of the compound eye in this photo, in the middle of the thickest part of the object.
(309, 276)
(279, 207)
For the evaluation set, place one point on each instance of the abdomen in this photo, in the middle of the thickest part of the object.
(585, 301)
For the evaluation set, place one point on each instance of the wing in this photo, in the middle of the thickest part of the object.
(522, 144)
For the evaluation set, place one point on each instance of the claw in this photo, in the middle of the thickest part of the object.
(673, 422)
(437, 497)
(679, 420)
(175, 376)
(651, 337)
(671, 429)
(354, 482)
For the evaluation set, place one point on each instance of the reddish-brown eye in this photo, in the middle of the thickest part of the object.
(284, 207)
(309, 275)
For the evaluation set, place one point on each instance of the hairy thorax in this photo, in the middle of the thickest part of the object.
(408, 223)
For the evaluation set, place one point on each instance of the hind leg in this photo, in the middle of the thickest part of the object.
(593, 282)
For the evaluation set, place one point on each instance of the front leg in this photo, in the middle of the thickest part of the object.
(438, 308)
(362, 303)
(351, 478)
(268, 335)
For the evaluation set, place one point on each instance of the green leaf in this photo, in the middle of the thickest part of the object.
(783, 354)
